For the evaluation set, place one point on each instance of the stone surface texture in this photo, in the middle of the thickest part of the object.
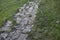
(24, 23)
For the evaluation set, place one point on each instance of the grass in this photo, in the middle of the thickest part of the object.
(8, 8)
(47, 22)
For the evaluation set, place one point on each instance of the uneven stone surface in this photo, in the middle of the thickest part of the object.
(7, 26)
(24, 23)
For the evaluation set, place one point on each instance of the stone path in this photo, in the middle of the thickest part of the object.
(24, 22)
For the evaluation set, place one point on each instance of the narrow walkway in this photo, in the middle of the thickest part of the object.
(24, 22)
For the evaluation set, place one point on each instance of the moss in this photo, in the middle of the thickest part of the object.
(45, 26)
(8, 8)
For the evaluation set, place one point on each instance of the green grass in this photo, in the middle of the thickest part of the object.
(8, 8)
(47, 22)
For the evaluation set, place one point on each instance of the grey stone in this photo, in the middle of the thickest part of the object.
(23, 37)
(5, 29)
(16, 34)
(4, 35)
(7, 26)
(57, 22)
(18, 20)
(9, 23)
(27, 29)
(24, 21)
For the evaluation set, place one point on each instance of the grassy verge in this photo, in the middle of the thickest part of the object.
(47, 22)
(8, 8)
